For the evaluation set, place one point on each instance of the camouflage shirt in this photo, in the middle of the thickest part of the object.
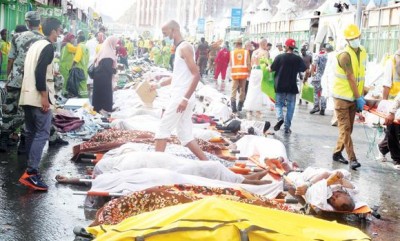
(320, 62)
(19, 48)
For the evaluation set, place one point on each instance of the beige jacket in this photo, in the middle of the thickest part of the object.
(29, 94)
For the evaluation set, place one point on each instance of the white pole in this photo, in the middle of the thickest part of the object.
(359, 12)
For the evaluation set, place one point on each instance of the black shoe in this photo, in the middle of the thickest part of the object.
(314, 110)
(300, 101)
(322, 112)
(58, 142)
(354, 164)
(267, 125)
(288, 131)
(337, 157)
(278, 125)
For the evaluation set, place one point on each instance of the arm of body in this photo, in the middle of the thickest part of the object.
(78, 55)
(71, 48)
(390, 118)
(301, 190)
(11, 56)
(387, 79)
(45, 58)
(163, 82)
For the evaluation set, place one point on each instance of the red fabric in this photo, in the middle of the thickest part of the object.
(220, 70)
(122, 51)
(221, 63)
(201, 118)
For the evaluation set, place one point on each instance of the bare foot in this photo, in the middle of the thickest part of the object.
(257, 175)
(66, 180)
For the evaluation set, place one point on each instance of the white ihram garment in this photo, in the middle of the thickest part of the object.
(136, 160)
(264, 147)
(255, 98)
(182, 122)
(141, 179)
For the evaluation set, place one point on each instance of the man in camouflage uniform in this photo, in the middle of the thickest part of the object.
(13, 117)
(317, 70)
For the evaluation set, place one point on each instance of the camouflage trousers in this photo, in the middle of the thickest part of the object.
(13, 115)
(319, 100)
(3, 96)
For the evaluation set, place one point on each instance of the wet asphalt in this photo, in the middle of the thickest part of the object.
(51, 216)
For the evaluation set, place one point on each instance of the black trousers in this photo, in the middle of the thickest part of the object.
(391, 142)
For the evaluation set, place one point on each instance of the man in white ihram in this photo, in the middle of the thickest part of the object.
(184, 80)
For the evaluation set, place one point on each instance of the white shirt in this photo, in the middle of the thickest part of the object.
(181, 76)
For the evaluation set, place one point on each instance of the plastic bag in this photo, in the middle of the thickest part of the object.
(307, 93)
(268, 82)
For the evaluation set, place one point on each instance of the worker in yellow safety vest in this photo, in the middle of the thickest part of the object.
(240, 68)
(391, 89)
(348, 92)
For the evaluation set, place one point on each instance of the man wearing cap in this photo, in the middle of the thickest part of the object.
(240, 68)
(13, 116)
(391, 89)
(348, 92)
(286, 67)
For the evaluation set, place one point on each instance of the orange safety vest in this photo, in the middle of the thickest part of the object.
(240, 70)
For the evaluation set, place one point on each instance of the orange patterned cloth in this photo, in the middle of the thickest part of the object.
(114, 138)
(159, 197)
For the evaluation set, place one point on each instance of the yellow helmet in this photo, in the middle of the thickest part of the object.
(351, 32)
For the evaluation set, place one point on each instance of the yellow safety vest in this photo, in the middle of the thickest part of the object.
(341, 86)
(395, 89)
(239, 69)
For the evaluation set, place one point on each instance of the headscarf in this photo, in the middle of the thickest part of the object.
(108, 50)
(67, 39)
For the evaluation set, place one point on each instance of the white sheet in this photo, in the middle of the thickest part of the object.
(136, 160)
(140, 179)
(264, 147)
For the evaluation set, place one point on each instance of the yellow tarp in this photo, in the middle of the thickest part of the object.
(214, 219)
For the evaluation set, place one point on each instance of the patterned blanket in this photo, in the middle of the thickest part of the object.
(159, 197)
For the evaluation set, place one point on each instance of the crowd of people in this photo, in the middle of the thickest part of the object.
(88, 67)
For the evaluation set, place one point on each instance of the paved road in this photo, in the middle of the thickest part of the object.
(51, 216)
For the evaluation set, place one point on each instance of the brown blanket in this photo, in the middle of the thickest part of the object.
(159, 197)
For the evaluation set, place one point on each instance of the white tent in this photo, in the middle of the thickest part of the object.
(329, 7)
(371, 5)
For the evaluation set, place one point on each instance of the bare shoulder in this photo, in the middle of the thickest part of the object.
(186, 49)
